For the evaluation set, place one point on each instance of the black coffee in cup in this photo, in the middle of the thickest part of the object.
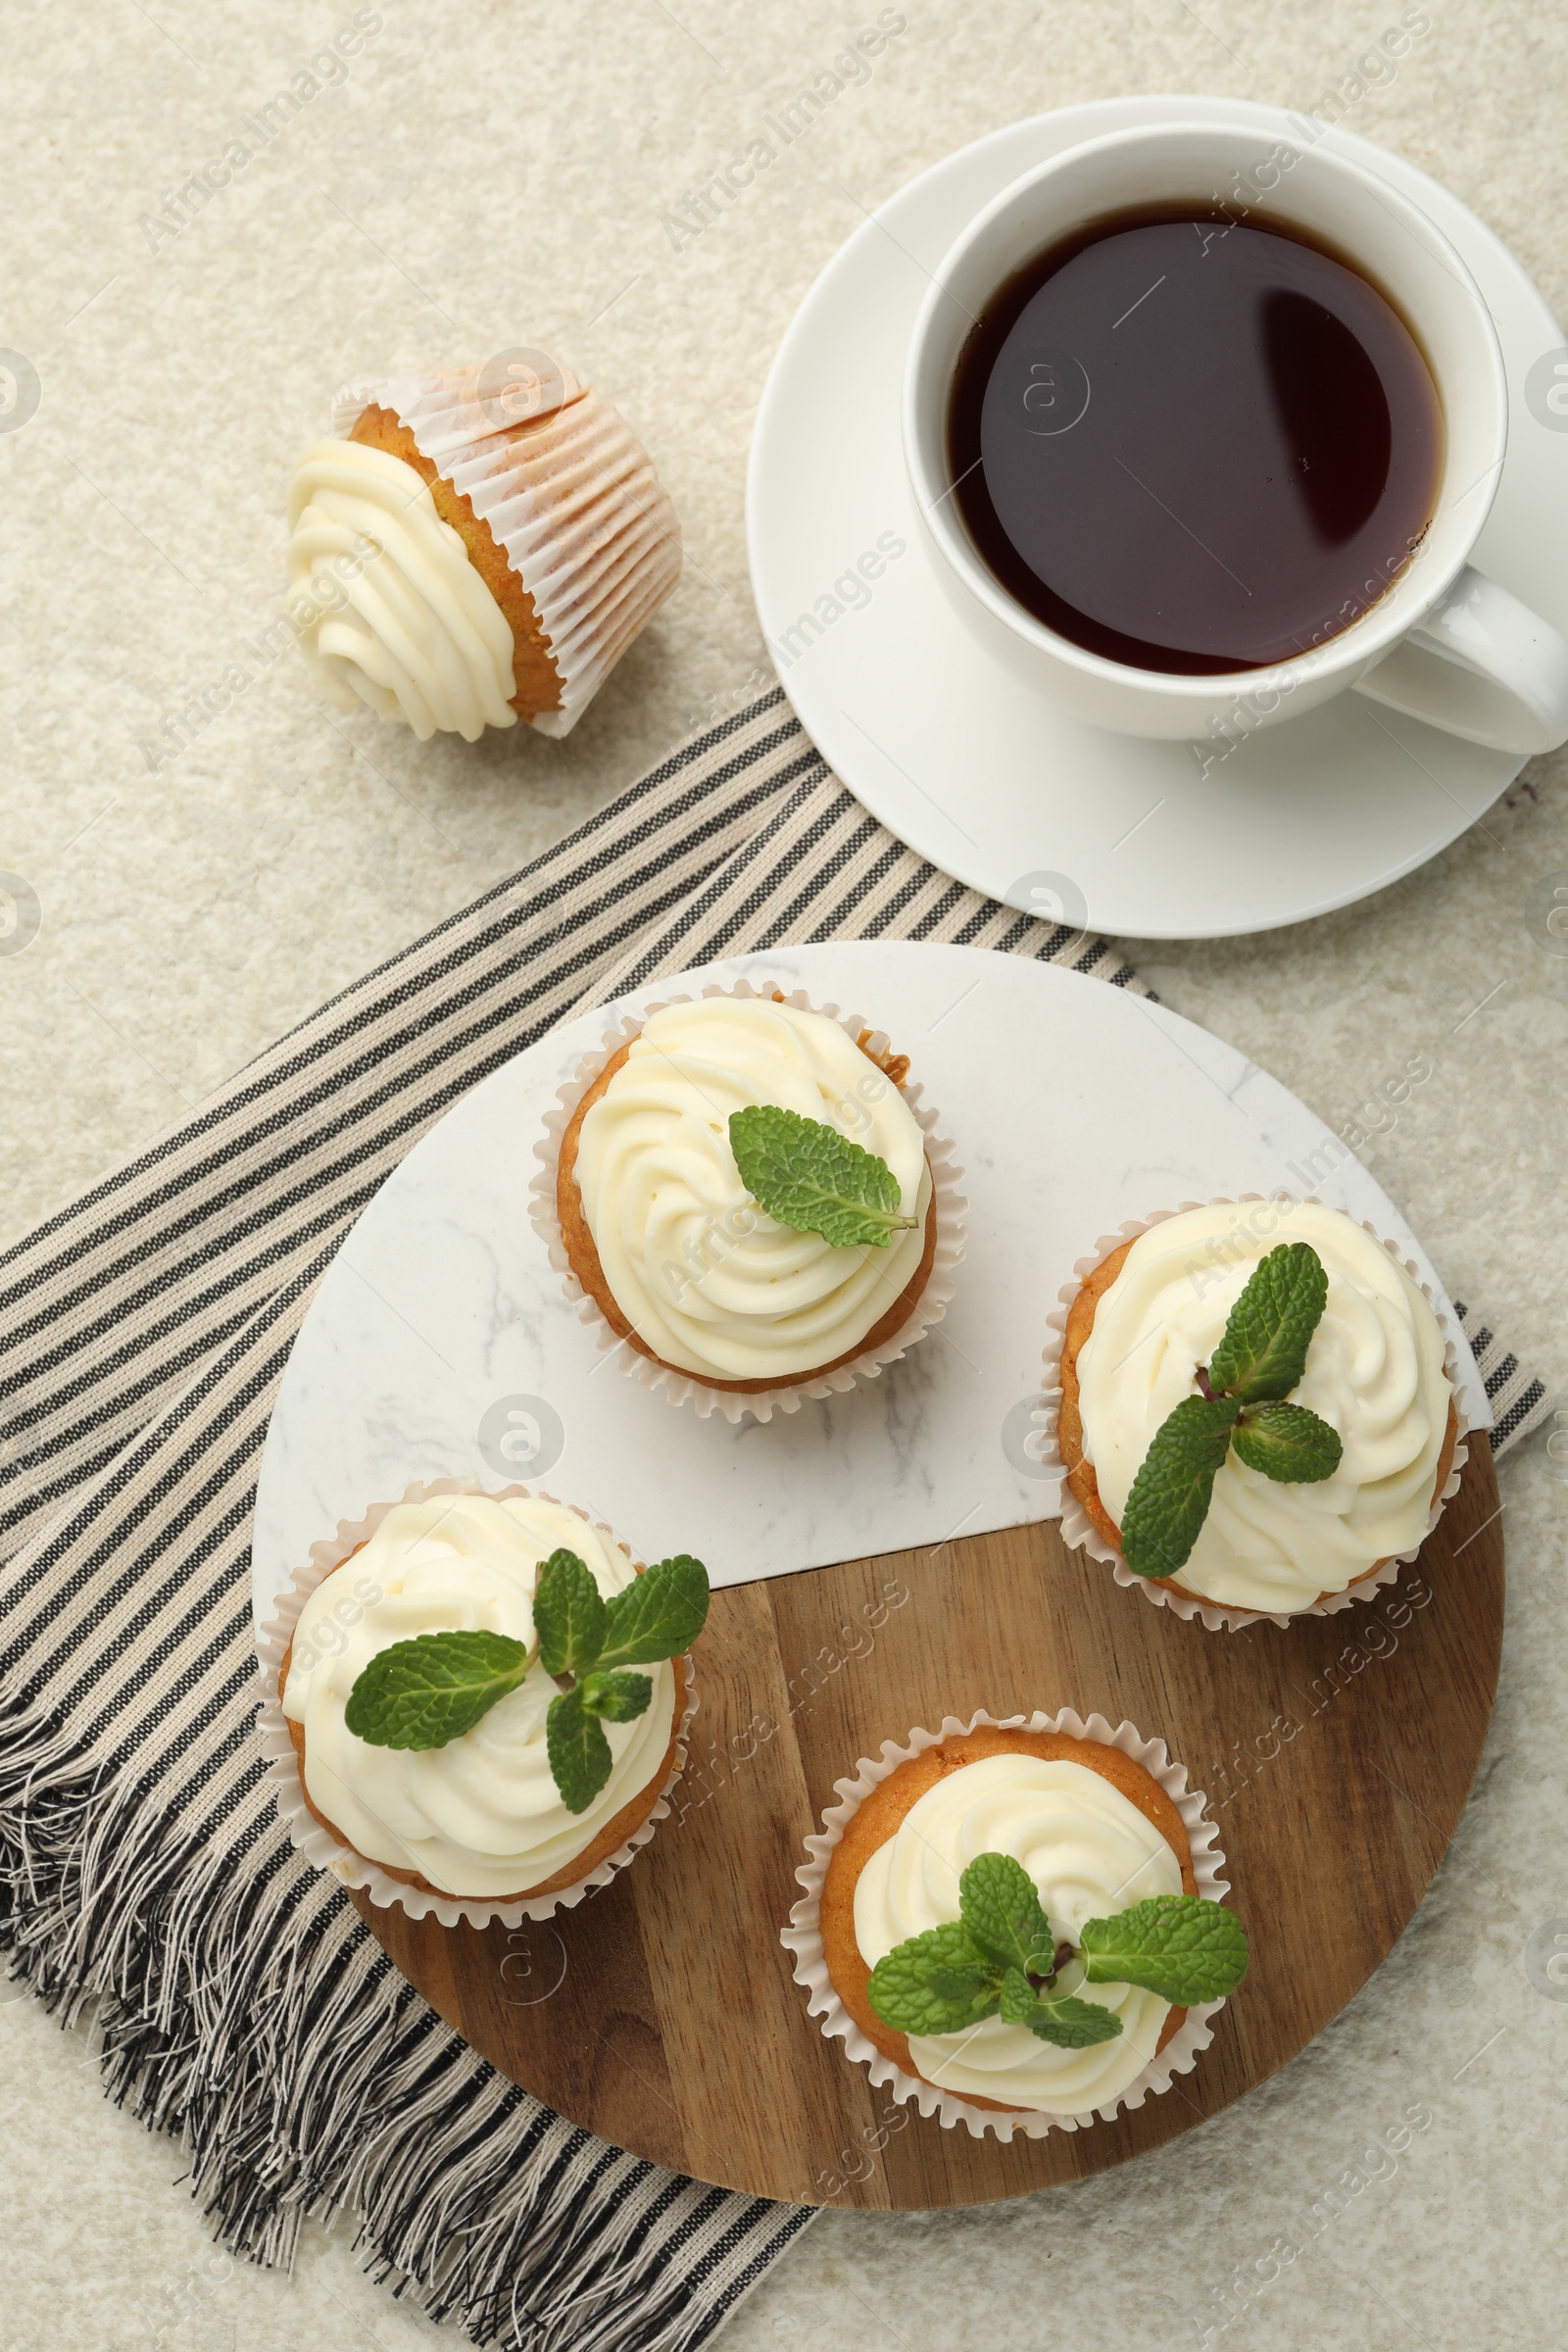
(1194, 445)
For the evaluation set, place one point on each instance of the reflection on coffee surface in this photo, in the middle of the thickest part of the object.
(1194, 445)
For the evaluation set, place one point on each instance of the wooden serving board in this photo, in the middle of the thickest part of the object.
(662, 2013)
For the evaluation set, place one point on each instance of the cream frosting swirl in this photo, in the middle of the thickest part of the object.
(481, 1816)
(1090, 1854)
(709, 1281)
(1374, 1371)
(398, 616)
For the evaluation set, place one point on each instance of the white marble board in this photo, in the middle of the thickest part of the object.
(441, 1344)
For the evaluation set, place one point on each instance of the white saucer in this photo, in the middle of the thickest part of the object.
(441, 1344)
(987, 778)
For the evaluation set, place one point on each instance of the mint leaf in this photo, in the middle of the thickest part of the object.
(962, 1983)
(659, 1614)
(1170, 1496)
(1263, 1353)
(1177, 1945)
(427, 1691)
(936, 1983)
(1002, 1912)
(568, 1615)
(1072, 2024)
(1288, 1442)
(618, 1697)
(578, 1752)
(1261, 1357)
(809, 1177)
(1018, 1998)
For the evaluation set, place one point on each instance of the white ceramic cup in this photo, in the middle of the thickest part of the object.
(1441, 643)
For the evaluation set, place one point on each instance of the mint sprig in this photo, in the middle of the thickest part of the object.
(806, 1175)
(1241, 1403)
(1001, 1910)
(425, 1692)
(1288, 1442)
(1175, 1483)
(1263, 1356)
(618, 1697)
(657, 1615)
(578, 1752)
(998, 1958)
(1184, 1949)
(568, 1615)
(1062, 2018)
(938, 1982)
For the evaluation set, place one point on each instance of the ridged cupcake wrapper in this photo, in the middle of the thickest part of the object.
(803, 1937)
(1078, 1531)
(342, 1862)
(684, 1388)
(466, 404)
(572, 501)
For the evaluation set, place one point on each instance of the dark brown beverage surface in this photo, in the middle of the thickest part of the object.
(1194, 446)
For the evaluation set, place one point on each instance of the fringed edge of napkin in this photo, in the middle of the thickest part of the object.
(471, 2199)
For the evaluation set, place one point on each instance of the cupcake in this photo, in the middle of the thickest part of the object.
(1018, 1920)
(747, 1197)
(479, 545)
(459, 1698)
(1256, 1411)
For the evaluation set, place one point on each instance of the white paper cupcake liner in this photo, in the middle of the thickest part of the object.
(568, 492)
(684, 1388)
(1079, 1533)
(804, 1935)
(342, 1862)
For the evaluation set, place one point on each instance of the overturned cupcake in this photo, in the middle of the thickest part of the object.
(1018, 1920)
(481, 545)
(459, 1694)
(747, 1196)
(1255, 1410)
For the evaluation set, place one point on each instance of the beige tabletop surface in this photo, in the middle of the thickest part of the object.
(472, 179)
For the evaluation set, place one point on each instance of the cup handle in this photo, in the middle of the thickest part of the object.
(1481, 666)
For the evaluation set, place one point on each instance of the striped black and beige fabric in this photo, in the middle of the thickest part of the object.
(1517, 1395)
(240, 2002)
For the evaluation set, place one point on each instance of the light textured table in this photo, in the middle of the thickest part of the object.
(481, 177)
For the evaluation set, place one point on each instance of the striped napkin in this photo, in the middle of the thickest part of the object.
(241, 2002)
